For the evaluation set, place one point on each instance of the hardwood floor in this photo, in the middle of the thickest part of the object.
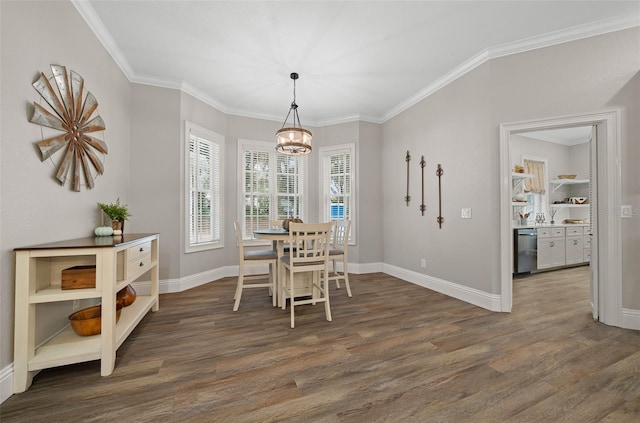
(395, 352)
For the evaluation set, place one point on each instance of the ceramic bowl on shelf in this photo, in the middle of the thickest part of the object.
(577, 200)
(567, 176)
(88, 321)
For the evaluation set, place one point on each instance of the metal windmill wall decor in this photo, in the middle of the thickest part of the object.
(71, 112)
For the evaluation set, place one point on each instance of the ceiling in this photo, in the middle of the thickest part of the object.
(366, 60)
(565, 136)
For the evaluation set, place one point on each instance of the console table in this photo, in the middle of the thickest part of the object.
(119, 260)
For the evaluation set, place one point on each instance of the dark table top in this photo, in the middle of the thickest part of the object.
(89, 242)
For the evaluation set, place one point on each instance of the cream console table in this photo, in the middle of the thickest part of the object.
(119, 260)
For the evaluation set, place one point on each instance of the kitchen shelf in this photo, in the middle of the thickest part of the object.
(571, 206)
(557, 183)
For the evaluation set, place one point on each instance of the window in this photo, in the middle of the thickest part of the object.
(272, 185)
(338, 185)
(204, 188)
(535, 188)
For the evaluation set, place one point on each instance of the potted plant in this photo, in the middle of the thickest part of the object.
(118, 213)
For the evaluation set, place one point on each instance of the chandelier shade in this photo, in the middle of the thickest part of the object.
(293, 140)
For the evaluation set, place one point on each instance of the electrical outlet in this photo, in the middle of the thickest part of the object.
(465, 213)
(76, 305)
(423, 263)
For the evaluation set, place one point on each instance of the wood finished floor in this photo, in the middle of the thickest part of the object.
(395, 352)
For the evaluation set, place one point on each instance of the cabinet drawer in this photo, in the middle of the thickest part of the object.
(137, 267)
(550, 232)
(544, 232)
(575, 231)
(134, 253)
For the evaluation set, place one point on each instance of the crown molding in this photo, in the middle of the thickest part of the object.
(547, 40)
(95, 23)
(550, 39)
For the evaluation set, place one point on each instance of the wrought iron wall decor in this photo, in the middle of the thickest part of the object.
(72, 111)
(422, 165)
(407, 197)
(439, 173)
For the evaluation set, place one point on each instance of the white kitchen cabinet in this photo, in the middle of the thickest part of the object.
(574, 245)
(119, 260)
(551, 248)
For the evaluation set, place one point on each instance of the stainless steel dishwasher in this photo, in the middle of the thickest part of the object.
(525, 250)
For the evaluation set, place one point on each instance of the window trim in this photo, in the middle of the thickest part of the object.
(323, 152)
(215, 138)
(270, 147)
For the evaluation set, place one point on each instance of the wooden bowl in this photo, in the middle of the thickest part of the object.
(126, 296)
(567, 176)
(88, 321)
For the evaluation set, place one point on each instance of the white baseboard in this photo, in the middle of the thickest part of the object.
(470, 295)
(168, 286)
(630, 319)
(6, 383)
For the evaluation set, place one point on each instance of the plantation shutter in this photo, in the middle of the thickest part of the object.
(337, 184)
(204, 191)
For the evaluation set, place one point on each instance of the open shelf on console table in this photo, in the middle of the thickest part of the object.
(119, 261)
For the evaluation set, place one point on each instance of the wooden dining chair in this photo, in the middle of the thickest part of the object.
(311, 254)
(338, 251)
(254, 257)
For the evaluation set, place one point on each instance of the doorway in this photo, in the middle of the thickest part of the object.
(557, 181)
(606, 296)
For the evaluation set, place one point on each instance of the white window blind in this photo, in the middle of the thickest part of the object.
(272, 187)
(204, 203)
(338, 185)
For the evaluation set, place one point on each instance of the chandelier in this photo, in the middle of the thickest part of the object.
(293, 140)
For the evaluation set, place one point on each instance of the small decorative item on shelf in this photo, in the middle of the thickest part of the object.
(285, 223)
(524, 217)
(540, 218)
(567, 176)
(88, 321)
(518, 169)
(118, 213)
(103, 231)
(553, 212)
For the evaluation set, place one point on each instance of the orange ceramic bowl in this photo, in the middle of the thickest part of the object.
(88, 321)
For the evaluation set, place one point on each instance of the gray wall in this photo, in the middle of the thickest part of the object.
(458, 127)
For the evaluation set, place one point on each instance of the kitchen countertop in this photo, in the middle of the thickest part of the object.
(547, 225)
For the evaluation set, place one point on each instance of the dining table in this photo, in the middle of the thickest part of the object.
(279, 236)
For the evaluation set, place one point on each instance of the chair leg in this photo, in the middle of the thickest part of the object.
(272, 281)
(345, 274)
(315, 281)
(283, 289)
(239, 287)
(327, 308)
(292, 301)
(336, 274)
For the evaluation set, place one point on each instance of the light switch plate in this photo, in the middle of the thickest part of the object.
(626, 211)
(465, 213)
